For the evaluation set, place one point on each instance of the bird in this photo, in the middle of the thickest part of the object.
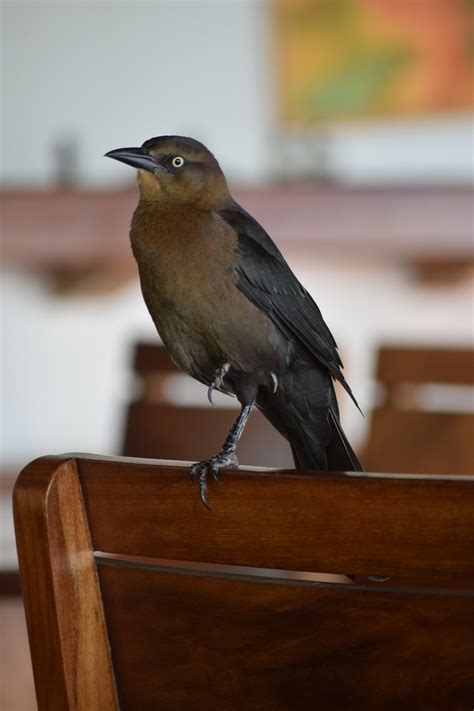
(229, 309)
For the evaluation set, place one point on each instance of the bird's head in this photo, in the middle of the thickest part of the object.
(176, 169)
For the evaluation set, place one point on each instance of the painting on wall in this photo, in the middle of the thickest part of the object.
(344, 60)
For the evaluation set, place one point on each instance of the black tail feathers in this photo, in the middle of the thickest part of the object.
(341, 456)
(336, 455)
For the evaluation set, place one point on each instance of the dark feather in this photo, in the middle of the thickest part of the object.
(267, 280)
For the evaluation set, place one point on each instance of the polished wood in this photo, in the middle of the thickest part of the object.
(181, 641)
(227, 609)
(326, 522)
(404, 435)
(66, 627)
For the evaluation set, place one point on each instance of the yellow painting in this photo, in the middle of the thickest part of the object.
(350, 59)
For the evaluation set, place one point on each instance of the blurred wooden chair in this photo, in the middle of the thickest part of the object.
(406, 436)
(158, 426)
(136, 597)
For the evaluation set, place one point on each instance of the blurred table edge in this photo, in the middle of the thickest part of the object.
(413, 224)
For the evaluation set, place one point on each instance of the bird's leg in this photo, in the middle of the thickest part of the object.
(225, 458)
(218, 380)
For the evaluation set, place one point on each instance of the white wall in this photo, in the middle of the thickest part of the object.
(65, 367)
(111, 73)
(426, 150)
(116, 73)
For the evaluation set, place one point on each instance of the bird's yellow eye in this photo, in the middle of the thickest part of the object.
(177, 162)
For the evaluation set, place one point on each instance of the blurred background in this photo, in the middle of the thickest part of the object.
(343, 126)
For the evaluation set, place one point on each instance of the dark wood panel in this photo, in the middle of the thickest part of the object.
(196, 636)
(425, 442)
(425, 365)
(164, 431)
(331, 523)
(185, 642)
(404, 436)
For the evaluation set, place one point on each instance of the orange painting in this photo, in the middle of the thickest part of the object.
(349, 59)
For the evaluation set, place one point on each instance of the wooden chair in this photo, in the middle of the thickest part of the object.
(406, 436)
(137, 597)
(158, 426)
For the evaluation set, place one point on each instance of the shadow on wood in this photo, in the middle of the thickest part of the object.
(138, 598)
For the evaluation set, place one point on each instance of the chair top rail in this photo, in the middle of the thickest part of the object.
(413, 526)
(356, 523)
(454, 366)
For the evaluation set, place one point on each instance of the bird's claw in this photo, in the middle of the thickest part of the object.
(218, 380)
(211, 466)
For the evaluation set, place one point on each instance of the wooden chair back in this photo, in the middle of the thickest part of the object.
(137, 597)
(405, 433)
(159, 426)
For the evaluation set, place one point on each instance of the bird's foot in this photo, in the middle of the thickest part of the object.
(211, 466)
(218, 380)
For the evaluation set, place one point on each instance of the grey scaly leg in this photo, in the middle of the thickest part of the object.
(225, 458)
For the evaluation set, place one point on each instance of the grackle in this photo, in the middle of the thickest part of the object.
(229, 309)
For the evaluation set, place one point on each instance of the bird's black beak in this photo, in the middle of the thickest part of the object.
(136, 157)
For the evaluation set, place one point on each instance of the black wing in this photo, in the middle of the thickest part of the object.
(266, 279)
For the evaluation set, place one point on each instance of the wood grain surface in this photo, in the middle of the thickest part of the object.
(325, 522)
(64, 613)
(129, 604)
(186, 642)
